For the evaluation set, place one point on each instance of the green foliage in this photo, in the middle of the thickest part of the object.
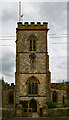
(59, 106)
(15, 113)
(3, 83)
(24, 104)
(51, 104)
(62, 112)
(16, 106)
(67, 110)
(25, 110)
(65, 105)
(49, 114)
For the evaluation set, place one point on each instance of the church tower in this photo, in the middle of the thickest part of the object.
(32, 78)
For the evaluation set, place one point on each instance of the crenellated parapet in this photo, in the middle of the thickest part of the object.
(8, 86)
(32, 26)
(60, 86)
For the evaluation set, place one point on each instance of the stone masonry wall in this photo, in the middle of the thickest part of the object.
(42, 90)
(40, 100)
(23, 43)
(23, 62)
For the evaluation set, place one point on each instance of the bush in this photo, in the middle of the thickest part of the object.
(15, 113)
(49, 114)
(51, 104)
(60, 106)
(24, 104)
(65, 105)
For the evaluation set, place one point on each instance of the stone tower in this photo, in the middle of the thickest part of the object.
(32, 78)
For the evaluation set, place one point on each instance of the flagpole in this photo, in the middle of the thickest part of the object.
(19, 11)
(20, 15)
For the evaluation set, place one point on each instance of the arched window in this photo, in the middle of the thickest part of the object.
(33, 88)
(32, 45)
(54, 96)
(11, 98)
(32, 42)
(29, 85)
(32, 57)
(32, 85)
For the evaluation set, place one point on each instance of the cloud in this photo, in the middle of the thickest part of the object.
(9, 11)
(49, 12)
(58, 68)
(8, 63)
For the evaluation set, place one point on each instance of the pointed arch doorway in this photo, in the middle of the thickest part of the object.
(33, 105)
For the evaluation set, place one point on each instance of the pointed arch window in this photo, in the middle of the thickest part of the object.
(36, 88)
(54, 96)
(33, 88)
(32, 85)
(11, 98)
(32, 57)
(32, 45)
(32, 42)
(29, 88)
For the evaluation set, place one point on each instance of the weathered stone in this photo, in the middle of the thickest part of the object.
(23, 68)
(19, 110)
(44, 111)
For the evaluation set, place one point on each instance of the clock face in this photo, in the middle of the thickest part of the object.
(32, 56)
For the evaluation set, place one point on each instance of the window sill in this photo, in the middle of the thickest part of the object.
(32, 95)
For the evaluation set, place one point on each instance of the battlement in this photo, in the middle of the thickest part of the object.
(60, 86)
(7, 86)
(32, 26)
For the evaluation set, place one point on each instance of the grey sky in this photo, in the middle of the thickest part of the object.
(55, 13)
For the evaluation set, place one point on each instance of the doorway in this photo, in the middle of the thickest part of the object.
(33, 105)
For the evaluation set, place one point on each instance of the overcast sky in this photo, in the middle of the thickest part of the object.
(55, 13)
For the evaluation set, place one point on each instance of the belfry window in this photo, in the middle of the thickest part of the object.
(32, 45)
(32, 42)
